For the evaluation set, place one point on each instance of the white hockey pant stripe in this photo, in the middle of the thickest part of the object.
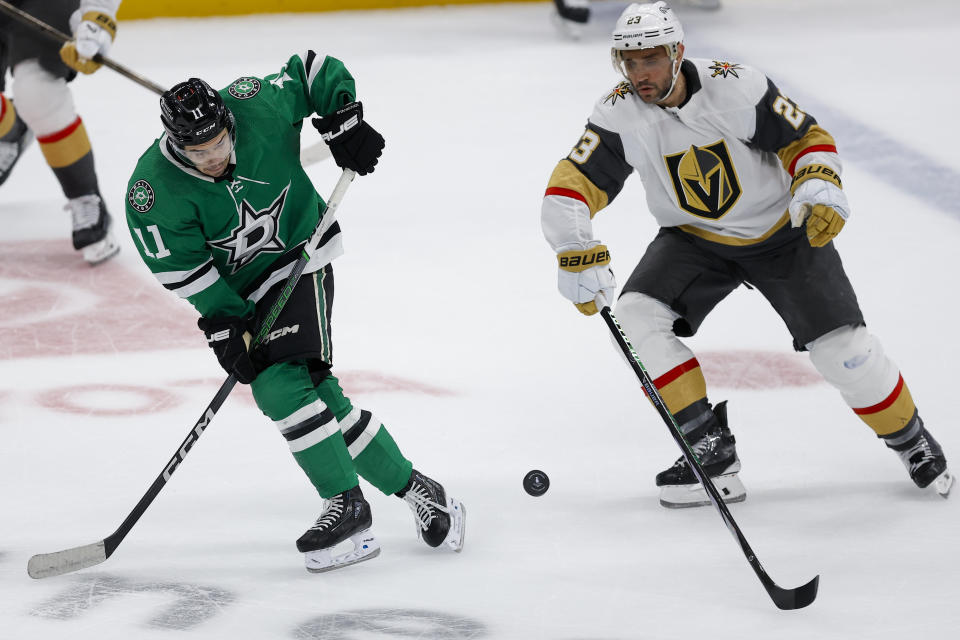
(307, 426)
(369, 426)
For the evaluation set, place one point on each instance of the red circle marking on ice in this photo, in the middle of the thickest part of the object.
(89, 399)
(55, 304)
(747, 369)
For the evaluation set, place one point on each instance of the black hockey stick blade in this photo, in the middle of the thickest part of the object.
(797, 598)
(785, 599)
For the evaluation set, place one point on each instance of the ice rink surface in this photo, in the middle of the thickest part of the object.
(448, 326)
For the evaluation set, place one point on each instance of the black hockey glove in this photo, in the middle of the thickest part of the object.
(354, 143)
(229, 338)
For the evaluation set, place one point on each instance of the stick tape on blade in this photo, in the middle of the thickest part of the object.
(45, 565)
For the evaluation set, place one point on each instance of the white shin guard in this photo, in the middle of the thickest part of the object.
(43, 101)
(648, 324)
(853, 361)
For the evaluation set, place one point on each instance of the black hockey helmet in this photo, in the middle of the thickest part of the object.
(193, 113)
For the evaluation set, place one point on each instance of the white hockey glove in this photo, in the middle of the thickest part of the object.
(584, 273)
(818, 198)
(93, 34)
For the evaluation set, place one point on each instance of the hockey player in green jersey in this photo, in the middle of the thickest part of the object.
(220, 209)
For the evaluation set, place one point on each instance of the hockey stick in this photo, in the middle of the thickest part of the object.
(46, 565)
(55, 34)
(308, 156)
(796, 598)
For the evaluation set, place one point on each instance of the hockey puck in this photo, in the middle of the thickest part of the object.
(536, 483)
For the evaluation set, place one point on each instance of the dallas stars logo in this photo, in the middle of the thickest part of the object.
(622, 90)
(141, 196)
(257, 232)
(724, 69)
(243, 88)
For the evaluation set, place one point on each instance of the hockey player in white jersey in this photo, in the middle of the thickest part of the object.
(44, 107)
(746, 188)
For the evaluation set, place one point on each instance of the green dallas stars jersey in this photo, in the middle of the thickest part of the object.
(221, 244)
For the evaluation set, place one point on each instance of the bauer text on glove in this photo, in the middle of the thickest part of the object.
(353, 143)
(583, 274)
(818, 198)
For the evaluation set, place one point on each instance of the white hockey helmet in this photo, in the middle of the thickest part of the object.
(645, 26)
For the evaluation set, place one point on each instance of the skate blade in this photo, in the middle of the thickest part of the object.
(458, 525)
(944, 483)
(102, 250)
(693, 495)
(365, 547)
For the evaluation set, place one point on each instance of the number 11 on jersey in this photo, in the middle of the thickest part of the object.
(162, 251)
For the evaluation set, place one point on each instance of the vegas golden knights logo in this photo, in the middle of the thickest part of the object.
(704, 180)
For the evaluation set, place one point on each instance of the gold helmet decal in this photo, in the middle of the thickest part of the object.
(704, 180)
(622, 90)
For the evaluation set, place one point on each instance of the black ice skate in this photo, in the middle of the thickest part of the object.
(12, 146)
(570, 16)
(923, 457)
(345, 516)
(715, 448)
(91, 228)
(440, 519)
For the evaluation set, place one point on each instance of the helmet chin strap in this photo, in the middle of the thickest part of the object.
(673, 83)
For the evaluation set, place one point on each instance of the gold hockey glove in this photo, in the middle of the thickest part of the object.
(823, 225)
(818, 199)
(94, 34)
(583, 274)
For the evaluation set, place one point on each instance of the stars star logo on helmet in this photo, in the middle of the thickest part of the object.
(724, 69)
(244, 88)
(622, 90)
(257, 233)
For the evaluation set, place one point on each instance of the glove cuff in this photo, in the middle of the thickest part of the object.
(576, 261)
(346, 119)
(235, 325)
(818, 171)
(102, 20)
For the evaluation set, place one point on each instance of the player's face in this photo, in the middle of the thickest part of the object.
(213, 156)
(650, 71)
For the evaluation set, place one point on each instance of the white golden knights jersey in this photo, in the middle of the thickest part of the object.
(719, 166)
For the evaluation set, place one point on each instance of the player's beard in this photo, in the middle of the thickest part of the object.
(659, 94)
